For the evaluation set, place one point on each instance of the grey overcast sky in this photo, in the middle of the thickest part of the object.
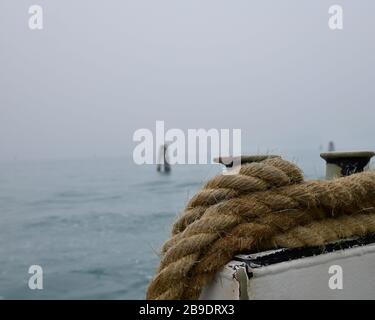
(100, 69)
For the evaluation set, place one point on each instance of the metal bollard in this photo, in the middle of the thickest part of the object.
(340, 164)
(229, 161)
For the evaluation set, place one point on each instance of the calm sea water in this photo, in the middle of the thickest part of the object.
(94, 226)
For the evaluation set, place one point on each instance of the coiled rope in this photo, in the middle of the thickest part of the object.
(266, 205)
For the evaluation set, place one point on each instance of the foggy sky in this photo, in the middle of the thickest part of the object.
(102, 69)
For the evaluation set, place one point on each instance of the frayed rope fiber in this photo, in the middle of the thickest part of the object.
(267, 205)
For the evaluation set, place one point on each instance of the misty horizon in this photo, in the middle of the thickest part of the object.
(99, 71)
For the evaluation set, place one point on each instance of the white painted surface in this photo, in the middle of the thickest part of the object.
(305, 278)
(225, 285)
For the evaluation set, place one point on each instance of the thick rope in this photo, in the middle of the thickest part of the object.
(267, 205)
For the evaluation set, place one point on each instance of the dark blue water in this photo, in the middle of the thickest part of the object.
(94, 226)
